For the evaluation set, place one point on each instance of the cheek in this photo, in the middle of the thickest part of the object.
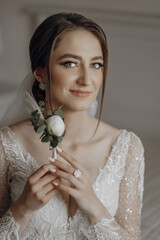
(62, 78)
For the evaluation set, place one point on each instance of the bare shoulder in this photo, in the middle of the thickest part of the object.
(109, 129)
(106, 131)
(20, 126)
(22, 130)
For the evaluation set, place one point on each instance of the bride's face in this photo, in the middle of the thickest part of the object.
(76, 64)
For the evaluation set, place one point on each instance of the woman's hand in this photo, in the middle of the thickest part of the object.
(38, 190)
(81, 188)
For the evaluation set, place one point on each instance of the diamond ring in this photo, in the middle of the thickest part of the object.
(77, 173)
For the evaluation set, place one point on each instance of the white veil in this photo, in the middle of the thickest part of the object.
(16, 111)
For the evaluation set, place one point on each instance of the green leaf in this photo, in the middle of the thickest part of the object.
(35, 119)
(63, 133)
(28, 111)
(60, 107)
(60, 139)
(41, 103)
(41, 123)
(34, 112)
(47, 131)
(58, 112)
(45, 101)
(37, 116)
(46, 116)
(43, 134)
(62, 136)
(33, 122)
(41, 128)
(35, 128)
(54, 143)
(45, 139)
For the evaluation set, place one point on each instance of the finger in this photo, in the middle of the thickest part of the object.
(43, 181)
(69, 190)
(70, 178)
(40, 172)
(56, 182)
(48, 187)
(62, 165)
(50, 194)
(74, 163)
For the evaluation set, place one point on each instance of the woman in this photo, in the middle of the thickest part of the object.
(42, 197)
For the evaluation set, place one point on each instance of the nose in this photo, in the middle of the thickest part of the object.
(84, 77)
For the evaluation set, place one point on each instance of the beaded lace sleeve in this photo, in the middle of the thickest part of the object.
(126, 223)
(8, 227)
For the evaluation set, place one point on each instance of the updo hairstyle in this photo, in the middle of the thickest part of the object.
(47, 37)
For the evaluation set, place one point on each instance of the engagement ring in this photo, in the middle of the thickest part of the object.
(77, 173)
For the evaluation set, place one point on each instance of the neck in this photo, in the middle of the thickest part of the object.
(79, 127)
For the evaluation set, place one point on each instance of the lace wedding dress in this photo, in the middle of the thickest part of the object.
(119, 186)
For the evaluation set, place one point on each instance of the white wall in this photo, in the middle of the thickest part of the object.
(132, 27)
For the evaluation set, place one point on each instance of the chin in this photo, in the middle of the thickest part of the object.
(77, 107)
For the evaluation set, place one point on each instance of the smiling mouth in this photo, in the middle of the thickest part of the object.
(80, 93)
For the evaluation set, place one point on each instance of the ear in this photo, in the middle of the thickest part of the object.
(40, 75)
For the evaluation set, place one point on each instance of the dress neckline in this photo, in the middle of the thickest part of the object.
(101, 170)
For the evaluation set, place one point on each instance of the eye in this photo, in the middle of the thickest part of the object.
(69, 64)
(97, 65)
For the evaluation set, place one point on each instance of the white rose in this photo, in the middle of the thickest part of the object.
(55, 125)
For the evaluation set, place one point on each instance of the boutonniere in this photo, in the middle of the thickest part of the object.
(51, 127)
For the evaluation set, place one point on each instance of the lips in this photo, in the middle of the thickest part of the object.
(79, 91)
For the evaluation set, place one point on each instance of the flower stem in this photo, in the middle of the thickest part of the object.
(54, 153)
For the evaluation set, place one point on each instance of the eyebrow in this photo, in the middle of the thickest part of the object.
(77, 57)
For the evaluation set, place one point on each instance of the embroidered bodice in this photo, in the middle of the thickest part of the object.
(119, 186)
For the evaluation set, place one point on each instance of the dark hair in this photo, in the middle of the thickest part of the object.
(47, 36)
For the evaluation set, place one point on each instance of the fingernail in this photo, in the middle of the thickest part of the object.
(52, 169)
(60, 150)
(55, 183)
(51, 159)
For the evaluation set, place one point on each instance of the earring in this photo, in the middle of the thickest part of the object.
(42, 86)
